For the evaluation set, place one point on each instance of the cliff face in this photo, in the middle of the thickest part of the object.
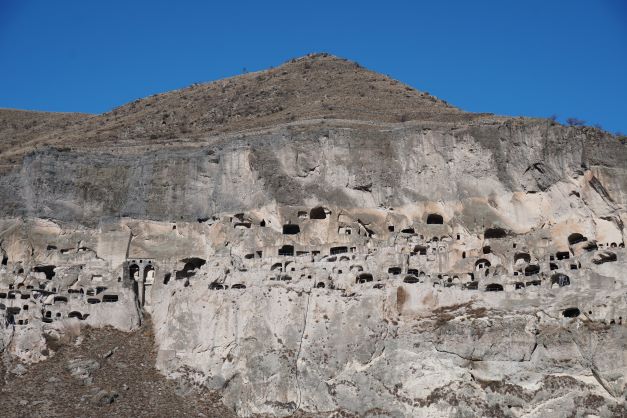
(318, 237)
(331, 162)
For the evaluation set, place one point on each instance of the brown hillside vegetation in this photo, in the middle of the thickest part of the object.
(317, 86)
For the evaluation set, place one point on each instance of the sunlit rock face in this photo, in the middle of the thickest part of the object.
(467, 265)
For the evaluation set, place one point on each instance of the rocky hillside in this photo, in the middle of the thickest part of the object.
(319, 239)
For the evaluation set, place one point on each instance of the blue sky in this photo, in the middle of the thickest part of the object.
(532, 58)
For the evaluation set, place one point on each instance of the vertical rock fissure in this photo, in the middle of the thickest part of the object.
(300, 346)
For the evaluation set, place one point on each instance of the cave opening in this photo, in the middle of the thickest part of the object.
(494, 287)
(286, 250)
(571, 312)
(318, 213)
(576, 238)
(494, 233)
(435, 219)
(189, 269)
(47, 270)
(291, 229)
(364, 278)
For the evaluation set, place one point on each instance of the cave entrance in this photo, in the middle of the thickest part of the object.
(571, 313)
(364, 278)
(494, 287)
(435, 219)
(291, 229)
(286, 250)
(318, 213)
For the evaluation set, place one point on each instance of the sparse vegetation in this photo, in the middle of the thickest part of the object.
(575, 122)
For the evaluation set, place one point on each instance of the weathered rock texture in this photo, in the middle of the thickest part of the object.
(319, 238)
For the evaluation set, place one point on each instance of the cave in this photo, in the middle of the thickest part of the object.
(238, 286)
(522, 256)
(216, 286)
(519, 285)
(604, 257)
(482, 263)
(487, 249)
(394, 270)
(410, 279)
(408, 231)
(109, 298)
(262, 223)
(47, 270)
(591, 246)
(147, 273)
(419, 249)
(338, 250)
(285, 278)
(435, 219)
(494, 233)
(576, 238)
(166, 278)
(320, 285)
(532, 269)
(59, 299)
(562, 255)
(75, 314)
(571, 313)
(191, 264)
(494, 287)
(318, 213)
(473, 285)
(378, 286)
(5, 260)
(391, 228)
(364, 277)
(286, 250)
(291, 229)
(13, 310)
(413, 272)
(560, 279)
(133, 271)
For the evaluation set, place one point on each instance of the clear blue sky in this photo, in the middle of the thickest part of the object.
(532, 57)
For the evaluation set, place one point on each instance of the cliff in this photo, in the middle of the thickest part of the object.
(318, 238)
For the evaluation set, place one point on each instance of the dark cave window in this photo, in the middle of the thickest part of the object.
(435, 219)
(317, 213)
(291, 229)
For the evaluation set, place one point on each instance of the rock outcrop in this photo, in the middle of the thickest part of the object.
(320, 238)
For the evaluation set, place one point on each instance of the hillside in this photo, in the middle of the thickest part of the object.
(315, 239)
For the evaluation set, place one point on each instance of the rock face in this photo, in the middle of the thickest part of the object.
(320, 238)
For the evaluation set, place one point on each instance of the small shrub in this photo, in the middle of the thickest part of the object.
(575, 122)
